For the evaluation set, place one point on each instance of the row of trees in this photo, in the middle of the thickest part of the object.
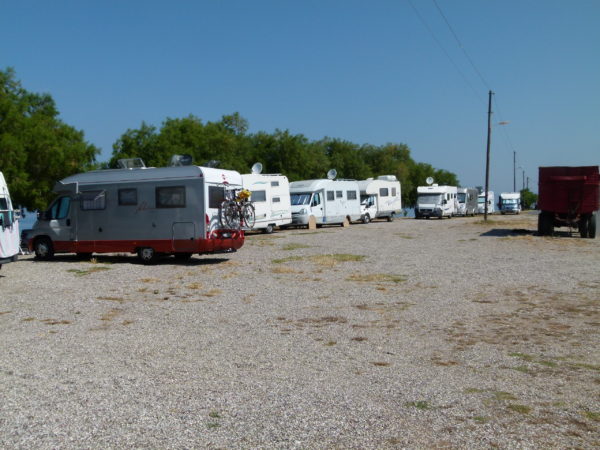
(37, 149)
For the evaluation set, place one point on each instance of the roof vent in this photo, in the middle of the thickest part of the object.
(181, 160)
(131, 163)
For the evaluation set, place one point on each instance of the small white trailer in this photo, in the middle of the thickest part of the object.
(481, 203)
(467, 201)
(148, 211)
(436, 201)
(326, 201)
(380, 198)
(509, 202)
(9, 226)
(271, 197)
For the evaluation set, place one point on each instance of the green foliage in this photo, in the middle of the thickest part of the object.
(528, 198)
(37, 148)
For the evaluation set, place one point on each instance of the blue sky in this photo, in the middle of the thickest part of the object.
(367, 72)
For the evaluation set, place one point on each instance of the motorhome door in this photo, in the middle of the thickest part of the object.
(317, 207)
(60, 225)
(183, 237)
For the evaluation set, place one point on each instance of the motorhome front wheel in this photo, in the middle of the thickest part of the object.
(43, 248)
(147, 255)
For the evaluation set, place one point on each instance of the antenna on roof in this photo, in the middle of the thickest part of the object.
(257, 168)
(332, 174)
(130, 163)
(429, 181)
(181, 160)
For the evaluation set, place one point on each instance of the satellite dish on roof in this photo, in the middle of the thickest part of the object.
(429, 181)
(332, 174)
(257, 168)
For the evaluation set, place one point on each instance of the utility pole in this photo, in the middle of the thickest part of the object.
(514, 171)
(523, 178)
(527, 183)
(487, 156)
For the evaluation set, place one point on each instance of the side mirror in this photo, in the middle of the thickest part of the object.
(444, 201)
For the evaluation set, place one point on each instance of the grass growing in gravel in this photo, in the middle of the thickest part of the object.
(295, 246)
(377, 277)
(83, 272)
(421, 404)
(333, 259)
(521, 409)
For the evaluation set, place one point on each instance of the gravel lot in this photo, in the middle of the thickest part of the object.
(415, 334)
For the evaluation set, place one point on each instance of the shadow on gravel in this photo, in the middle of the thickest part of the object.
(505, 232)
(121, 259)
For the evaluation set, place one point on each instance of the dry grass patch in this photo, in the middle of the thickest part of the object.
(111, 314)
(112, 299)
(83, 272)
(150, 280)
(295, 246)
(285, 260)
(212, 293)
(55, 322)
(194, 286)
(284, 269)
(334, 259)
(377, 278)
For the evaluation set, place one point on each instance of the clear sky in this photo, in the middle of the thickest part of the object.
(364, 71)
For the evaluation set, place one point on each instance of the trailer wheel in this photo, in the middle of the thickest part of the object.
(147, 255)
(43, 248)
(592, 226)
(269, 229)
(545, 224)
(366, 218)
(390, 218)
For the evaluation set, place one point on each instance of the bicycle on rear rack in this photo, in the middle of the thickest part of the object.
(237, 211)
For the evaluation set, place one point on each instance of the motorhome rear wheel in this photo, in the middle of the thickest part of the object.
(147, 255)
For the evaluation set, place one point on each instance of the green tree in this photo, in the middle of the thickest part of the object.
(38, 149)
(528, 199)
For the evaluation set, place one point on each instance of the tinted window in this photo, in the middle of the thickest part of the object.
(384, 192)
(259, 196)
(330, 196)
(393, 192)
(92, 200)
(127, 197)
(170, 197)
(274, 183)
(351, 195)
(216, 195)
(339, 194)
(316, 199)
(276, 200)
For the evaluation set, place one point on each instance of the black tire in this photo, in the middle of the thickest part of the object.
(545, 224)
(229, 215)
(269, 229)
(366, 218)
(43, 248)
(147, 255)
(583, 226)
(390, 218)
(592, 226)
(249, 215)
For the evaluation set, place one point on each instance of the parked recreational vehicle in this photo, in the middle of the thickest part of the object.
(509, 202)
(379, 198)
(9, 226)
(467, 201)
(271, 197)
(148, 211)
(328, 201)
(481, 203)
(436, 201)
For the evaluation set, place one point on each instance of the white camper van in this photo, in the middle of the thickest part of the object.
(380, 198)
(436, 201)
(481, 203)
(510, 202)
(271, 197)
(467, 201)
(9, 226)
(328, 201)
(148, 211)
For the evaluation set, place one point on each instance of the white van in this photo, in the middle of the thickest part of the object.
(467, 201)
(481, 203)
(148, 211)
(510, 202)
(436, 201)
(328, 201)
(9, 226)
(380, 198)
(271, 197)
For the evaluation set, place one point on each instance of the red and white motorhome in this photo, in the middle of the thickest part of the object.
(148, 211)
(9, 226)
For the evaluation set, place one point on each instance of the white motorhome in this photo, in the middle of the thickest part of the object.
(379, 198)
(467, 201)
(148, 211)
(436, 201)
(327, 201)
(9, 226)
(481, 203)
(271, 197)
(510, 202)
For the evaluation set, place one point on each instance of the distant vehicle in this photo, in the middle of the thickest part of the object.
(324, 201)
(490, 203)
(271, 198)
(9, 226)
(436, 201)
(509, 202)
(379, 198)
(568, 197)
(467, 201)
(148, 211)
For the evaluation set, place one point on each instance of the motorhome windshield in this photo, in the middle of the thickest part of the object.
(481, 200)
(300, 199)
(510, 201)
(462, 197)
(435, 199)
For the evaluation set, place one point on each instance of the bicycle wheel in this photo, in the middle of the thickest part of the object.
(248, 214)
(229, 215)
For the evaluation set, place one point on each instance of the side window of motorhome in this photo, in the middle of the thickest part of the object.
(127, 197)
(274, 183)
(216, 196)
(316, 199)
(59, 209)
(351, 195)
(339, 194)
(394, 192)
(330, 196)
(384, 192)
(276, 200)
(92, 200)
(259, 196)
(170, 197)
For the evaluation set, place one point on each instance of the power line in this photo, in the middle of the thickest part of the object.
(428, 28)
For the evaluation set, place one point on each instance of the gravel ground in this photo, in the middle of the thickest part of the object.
(410, 334)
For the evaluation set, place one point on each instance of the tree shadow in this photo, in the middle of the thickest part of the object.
(133, 259)
(508, 232)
